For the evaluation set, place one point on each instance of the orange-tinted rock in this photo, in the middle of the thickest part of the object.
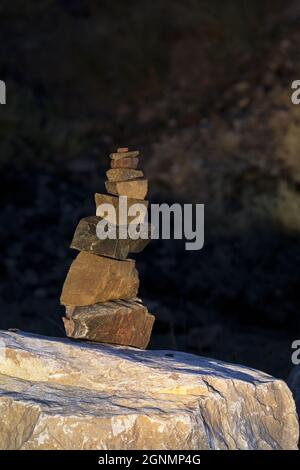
(123, 174)
(123, 322)
(92, 279)
(119, 155)
(128, 162)
(136, 188)
(140, 204)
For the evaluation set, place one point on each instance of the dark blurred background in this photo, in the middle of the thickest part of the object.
(203, 89)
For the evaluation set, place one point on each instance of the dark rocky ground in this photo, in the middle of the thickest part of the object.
(231, 142)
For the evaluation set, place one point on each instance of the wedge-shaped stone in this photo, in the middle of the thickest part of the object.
(123, 322)
(86, 239)
(92, 279)
(123, 174)
(120, 155)
(128, 162)
(116, 203)
(136, 188)
(61, 394)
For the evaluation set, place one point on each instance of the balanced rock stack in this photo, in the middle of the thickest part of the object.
(100, 290)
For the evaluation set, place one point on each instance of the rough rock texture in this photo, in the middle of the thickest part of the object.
(59, 394)
(115, 202)
(294, 384)
(128, 162)
(94, 279)
(120, 155)
(136, 188)
(109, 322)
(85, 239)
(123, 174)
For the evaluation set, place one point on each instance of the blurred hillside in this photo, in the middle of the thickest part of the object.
(84, 75)
(203, 89)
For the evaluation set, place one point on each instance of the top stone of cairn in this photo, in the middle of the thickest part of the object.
(124, 179)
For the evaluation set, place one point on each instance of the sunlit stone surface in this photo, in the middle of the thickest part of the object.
(62, 394)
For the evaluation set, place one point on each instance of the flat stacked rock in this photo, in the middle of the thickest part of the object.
(100, 290)
(110, 322)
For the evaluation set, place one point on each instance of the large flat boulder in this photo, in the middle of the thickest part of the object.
(63, 394)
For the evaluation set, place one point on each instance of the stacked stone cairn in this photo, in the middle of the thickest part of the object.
(100, 290)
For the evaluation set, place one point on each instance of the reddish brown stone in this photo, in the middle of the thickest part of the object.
(123, 174)
(93, 279)
(120, 155)
(121, 322)
(136, 188)
(125, 163)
